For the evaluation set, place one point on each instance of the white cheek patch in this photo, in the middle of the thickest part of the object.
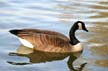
(80, 26)
(26, 43)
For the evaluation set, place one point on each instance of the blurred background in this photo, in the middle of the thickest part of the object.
(56, 15)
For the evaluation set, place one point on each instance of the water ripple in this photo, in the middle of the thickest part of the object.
(57, 15)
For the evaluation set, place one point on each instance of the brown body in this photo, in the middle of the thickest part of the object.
(48, 41)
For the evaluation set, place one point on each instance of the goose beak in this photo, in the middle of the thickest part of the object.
(85, 29)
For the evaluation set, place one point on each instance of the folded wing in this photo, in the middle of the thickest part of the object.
(44, 40)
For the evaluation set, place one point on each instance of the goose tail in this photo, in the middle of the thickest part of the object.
(15, 31)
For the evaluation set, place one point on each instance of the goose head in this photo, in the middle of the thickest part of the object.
(79, 25)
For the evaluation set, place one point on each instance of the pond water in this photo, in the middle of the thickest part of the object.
(56, 15)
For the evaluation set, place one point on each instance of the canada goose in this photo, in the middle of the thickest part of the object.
(50, 41)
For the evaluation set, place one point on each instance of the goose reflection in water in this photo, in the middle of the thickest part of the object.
(40, 57)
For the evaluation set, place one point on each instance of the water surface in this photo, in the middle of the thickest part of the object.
(56, 15)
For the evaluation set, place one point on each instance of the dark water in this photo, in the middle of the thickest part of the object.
(57, 15)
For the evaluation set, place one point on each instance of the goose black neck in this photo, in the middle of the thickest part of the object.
(73, 39)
